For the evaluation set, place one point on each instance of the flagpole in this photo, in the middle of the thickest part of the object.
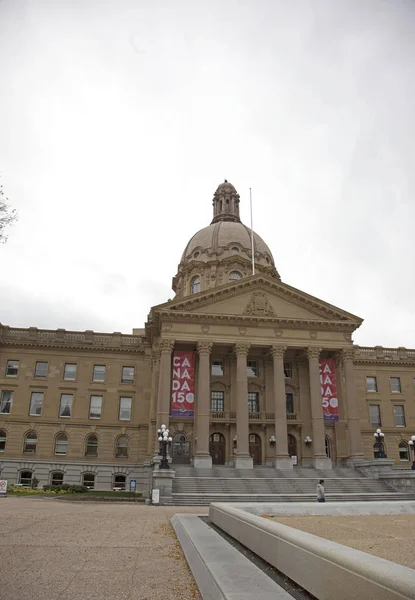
(252, 234)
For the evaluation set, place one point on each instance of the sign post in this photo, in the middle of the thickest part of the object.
(3, 488)
(132, 489)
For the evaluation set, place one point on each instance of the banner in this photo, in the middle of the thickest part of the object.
(329, 389)
(183, 384)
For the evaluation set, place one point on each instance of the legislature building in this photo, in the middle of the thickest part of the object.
(244, 369)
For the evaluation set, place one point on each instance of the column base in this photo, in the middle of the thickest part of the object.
(284, 464)
(244, 462)
(203, 461)
(322, 463)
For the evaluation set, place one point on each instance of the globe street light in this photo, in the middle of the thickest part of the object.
(379, 447)
(164, 439)
(412, 444)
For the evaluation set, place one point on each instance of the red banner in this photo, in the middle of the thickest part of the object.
(329, 389)
(183, 384)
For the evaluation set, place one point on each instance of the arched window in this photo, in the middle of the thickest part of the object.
(328, 447)
(25, 478)
(88, 479)
(403, 451)
(91, 448)
(195, 284)
(61, 443)
(30, 443)
(56, 478)
(122, 447)
(120, 481)
(3, 440)
(235, 275)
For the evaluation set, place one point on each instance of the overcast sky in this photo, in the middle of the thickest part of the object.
(118, 119)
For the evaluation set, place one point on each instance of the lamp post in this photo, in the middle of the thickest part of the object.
(272, 440)
(308, 441)
(412, 444)
(379, 447)
(164, 439)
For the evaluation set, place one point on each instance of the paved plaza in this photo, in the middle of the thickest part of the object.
(82, 550)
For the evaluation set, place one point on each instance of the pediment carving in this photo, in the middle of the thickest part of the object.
(258, 306)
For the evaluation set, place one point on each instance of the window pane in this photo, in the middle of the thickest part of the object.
(395, 384)
(122, 447)
(403, 451)
(288, 371)
(371, 384)
(92, 446)
(253, 402)
(95, 407)
(374, 415)
(217, 401)
(289, 401)
(125, 409)
(6, 403)
(399, 415)
(61, 444)
(36, 401)
(3, 439)
(41, 370)
(252, 368)
(195, 285)
(30, 443)
(217, 368)
(127, 374)
(235, 275)
(120, 481)
(25, 478)
(69, 373)
(65, 409)
(98, 373)
(12, 368)
(88, 479)
(57, 478)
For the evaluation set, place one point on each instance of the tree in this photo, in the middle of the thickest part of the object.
(7, 215)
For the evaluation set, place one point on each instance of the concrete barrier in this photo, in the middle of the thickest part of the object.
(325, 569)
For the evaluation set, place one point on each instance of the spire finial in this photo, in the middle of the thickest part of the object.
(226, 203)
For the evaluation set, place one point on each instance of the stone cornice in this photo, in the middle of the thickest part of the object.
(60, 339)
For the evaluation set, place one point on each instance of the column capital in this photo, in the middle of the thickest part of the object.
(278, 351)
(312, 352)
(347, 354)
(204, 347)
(166, 346)
(241, 349)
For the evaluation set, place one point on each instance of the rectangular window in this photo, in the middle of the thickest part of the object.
(128, 374)
(253, 402)
(36, 401)
(217, 368)
(399, 411)
(69, 373)
(41, 370)
(375, 420)
(98, 373)
(95, 407)
(371, 384)
(252, 368)
(65, 408)
(6, 403)
(395, 385)
(288, 370)
(125, 408)
(217, 401)
(12, 368)
(289, 403)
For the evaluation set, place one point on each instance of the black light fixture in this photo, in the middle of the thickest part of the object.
(235, 441)
(164, 439)
(272, 440)
(379, 446)
(412, 444)
(308, 441)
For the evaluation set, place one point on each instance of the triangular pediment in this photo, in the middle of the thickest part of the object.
(260, 297)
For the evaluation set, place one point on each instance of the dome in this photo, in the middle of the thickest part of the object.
(222, 252)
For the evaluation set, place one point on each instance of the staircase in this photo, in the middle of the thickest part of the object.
(193, 487)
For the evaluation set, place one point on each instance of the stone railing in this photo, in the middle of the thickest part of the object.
(226, 415)
(63, 338)
(379, 353)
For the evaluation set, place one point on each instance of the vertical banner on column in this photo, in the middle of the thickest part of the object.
(329, 389)
(183, 384)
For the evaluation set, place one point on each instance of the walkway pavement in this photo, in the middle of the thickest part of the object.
(72, 550)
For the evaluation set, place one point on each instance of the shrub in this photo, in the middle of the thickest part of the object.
(65, 488)
(35, 483)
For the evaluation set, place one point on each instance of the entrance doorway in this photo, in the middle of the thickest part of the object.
(292, 445)
(217, 449)
(180, 449)
(255, 448)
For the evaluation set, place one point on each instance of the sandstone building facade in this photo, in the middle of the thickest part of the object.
(84, 407)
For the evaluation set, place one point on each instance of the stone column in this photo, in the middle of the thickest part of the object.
(155, 373)
(164, 390)
(282, 458)
(202, 458)
(320, 460)
(353, 419)
(243, 460)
